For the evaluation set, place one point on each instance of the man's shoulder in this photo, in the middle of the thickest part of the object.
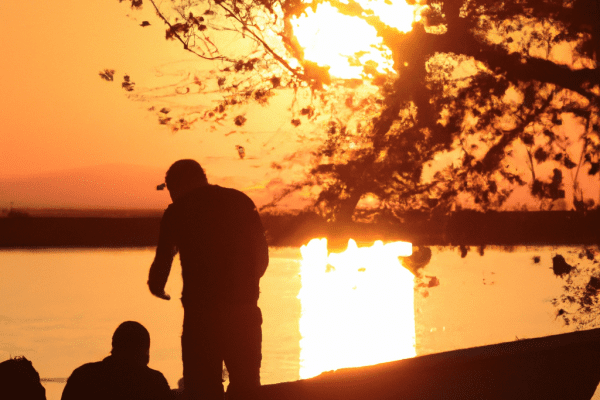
(89, 367)
(156, 381)
(228, 190)
(233, 194)
(102, 368)
(87, 370)
(210, 197)
(154, 373)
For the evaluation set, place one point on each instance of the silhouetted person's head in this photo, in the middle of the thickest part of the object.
(184, 176)
(19, 380)
(131, 343)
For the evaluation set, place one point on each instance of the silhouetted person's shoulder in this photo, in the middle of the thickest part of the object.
(211, 216)
(111, 379)
(214, 197)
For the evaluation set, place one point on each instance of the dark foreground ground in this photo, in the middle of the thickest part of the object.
(462, 228)
(556, 367)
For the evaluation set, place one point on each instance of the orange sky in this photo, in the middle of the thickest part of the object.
(58, 114)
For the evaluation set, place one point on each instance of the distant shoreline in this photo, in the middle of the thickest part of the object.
(54, 380)
(139, 228)
(86, 213)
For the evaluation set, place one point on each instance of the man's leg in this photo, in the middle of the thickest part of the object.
(242, 350)
(201, 353)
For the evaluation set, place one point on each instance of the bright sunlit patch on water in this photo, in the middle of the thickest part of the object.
(357, 306)
(330, 38)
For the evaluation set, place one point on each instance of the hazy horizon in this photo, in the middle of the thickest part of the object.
(113, 186)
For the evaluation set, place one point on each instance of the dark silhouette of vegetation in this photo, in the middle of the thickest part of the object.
(12, 212)
(578, 305)
(487, 83)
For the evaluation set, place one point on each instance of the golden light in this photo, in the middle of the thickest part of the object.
(330, 38)
(396, 13)
(357, 306)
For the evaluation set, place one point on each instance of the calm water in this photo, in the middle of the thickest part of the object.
(59, 308)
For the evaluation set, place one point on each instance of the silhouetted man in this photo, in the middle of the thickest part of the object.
(223, 253)
(124, 375)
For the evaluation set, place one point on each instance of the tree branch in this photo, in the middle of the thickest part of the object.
(183, 42)
(518, 68)
(263, 43)
(460, 39)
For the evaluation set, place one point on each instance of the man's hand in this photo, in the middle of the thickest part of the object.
(162, 295)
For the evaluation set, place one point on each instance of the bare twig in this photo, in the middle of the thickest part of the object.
(185, 44)
(263, 43)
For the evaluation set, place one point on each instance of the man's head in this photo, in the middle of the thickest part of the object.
(131, 341)
(183, 176)
(19, 380)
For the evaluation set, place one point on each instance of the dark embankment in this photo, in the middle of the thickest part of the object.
(462, 228)
(555, 367)
(78, 232)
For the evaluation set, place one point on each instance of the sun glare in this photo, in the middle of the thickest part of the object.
(342, 42)
(357, 306)
(397, 13)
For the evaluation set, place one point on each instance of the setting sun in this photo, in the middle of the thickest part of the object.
(345, 43)
(357, 306)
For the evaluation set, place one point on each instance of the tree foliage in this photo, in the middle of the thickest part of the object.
(487, 84)
(578, 305)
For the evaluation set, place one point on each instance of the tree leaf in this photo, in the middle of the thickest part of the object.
(568, 163)
(560, 266)
(137, 4)
(240, 120)
(241, 151)
(540, 155)
(107, 75)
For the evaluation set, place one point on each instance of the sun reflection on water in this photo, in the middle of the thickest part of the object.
(357, 306)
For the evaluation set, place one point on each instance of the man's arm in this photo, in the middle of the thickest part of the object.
(161, 266)
(260, 247)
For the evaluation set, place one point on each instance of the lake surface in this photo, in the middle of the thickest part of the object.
(59, 308)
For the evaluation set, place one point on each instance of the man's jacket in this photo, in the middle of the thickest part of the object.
(116, 379)
(221, 243)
